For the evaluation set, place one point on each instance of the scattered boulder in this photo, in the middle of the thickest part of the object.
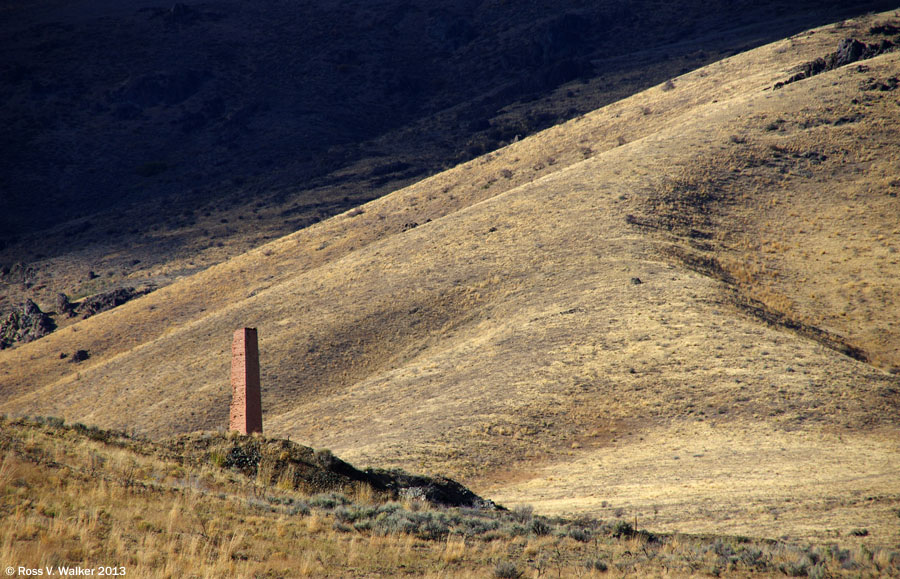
(849, 50)
(886, 29)
(18, 273)
(30, 323)
(107, 301)
(26, 325)
(63, 306)
(31, 308)
(889, 84)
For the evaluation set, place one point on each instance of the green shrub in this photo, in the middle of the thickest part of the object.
(817, 572)
(389, 507)
(365, 525)
(217, 458)
(341, 527)
(540, 527)
(507, 570)
(754, 559)
(55, 422)
(796, 569)
(433, 529)
(328, 501)
(515, 530)
(478, 525)
(580, 535)
(522, 514)
(622, 529)
(299, 508)
(395, 523)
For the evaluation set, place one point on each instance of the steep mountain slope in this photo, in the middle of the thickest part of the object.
(143, 141)
(622, 312)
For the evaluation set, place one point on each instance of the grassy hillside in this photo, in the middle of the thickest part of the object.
(644, 311)
(79, 497)
(145, 142)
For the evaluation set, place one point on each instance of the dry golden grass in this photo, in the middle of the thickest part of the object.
(73, 501)
(802, 210)
(740, 480)
(506, 340)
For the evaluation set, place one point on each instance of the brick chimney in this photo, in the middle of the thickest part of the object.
(246, 402)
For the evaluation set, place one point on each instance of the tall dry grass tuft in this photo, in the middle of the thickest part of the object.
(209, 523)
(454, 549)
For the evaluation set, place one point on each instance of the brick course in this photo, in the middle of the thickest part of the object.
(246, 403)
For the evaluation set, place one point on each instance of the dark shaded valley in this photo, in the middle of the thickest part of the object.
(143, 141)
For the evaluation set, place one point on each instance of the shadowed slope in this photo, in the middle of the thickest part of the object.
(551, 313)
(145, 142)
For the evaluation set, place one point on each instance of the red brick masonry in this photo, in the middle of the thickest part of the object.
(246, 403)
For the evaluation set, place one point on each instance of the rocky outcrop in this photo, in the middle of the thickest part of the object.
(849, 51)
(26, 325)
(317, 470)
(106, 301)
(30, 323)
(80, 356)
(435, 490)
(63, 306)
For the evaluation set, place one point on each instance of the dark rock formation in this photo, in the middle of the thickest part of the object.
(31, 308)
(888, 84)
(319, 470)
(31, 323)
(80, 356)
(26, 325)
(63, 306)
(849, 51)
(886, 29)
(107, 301)
(435, 490)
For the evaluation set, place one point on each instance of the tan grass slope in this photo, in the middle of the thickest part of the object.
(488, 324)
